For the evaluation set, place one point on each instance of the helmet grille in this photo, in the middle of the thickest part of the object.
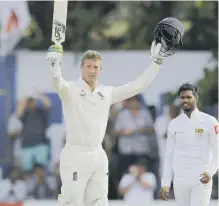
(169, 37)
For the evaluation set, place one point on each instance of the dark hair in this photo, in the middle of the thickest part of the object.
(190, 87)
(141, 162)
(38, 166)
(136, 97)
(30, 99)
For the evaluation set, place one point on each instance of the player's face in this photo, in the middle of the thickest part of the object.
(31, 104)
(188, 101)
(90, 70)
(134, 104)
(40, 172)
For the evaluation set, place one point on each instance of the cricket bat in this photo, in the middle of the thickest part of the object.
(59, 21)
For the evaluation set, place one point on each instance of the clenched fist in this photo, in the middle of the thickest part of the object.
(205, 177)
(155, 53)
(164, 193)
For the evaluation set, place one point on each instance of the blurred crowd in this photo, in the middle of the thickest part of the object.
(135, 145)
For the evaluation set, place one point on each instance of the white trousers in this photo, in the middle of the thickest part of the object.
(84, 175)
(192, 192)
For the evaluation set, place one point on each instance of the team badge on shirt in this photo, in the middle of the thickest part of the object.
(199, 132)
(216, 129)
(75, 176)
(83, 93)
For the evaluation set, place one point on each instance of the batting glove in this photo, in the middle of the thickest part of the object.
(54, 55)
(155, 53)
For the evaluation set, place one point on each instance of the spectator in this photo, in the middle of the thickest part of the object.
(14, 129)
(133, 127)
(43, 185)
(161, 125)
(33, 138)
(13, 188)
(138, 185)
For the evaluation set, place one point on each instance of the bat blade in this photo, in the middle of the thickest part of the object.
(59, 21)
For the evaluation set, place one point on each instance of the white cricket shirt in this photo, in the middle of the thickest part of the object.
(192, 147)
(137, 194)
(86, 112)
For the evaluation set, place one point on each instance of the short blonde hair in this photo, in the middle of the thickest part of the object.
(91, 54)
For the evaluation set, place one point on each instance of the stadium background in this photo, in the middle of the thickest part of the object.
(124, 43)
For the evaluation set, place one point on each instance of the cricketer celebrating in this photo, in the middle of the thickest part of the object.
(86, 104)
(192, 152)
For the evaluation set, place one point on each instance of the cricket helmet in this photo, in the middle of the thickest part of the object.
(169, 32)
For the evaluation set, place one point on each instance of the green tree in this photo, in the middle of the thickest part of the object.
(131, 24)
(200, 21)
(208, 88)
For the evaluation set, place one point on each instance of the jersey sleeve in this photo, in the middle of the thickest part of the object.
(168, 159)
(214, 136)
(126, 91)
(61, 86)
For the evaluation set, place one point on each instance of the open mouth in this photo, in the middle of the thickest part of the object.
(186, 106)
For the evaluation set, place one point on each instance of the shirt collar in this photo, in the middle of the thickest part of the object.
(85, 87)
(194, 114)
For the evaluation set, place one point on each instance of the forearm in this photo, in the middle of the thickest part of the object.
(56, 76)
(145, 130)
(214, 165)
(128, 90)
(146, 78)
(214, 141)
(20, 109)
(59, 84)
(167, 172)
(45, 100)
(119, 133)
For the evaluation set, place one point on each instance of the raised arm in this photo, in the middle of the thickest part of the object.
(131, 89)
(20, 107)
(54, 56)
(44, 99)
(168, 36)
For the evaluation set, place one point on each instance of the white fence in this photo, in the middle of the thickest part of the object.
(113, 203)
